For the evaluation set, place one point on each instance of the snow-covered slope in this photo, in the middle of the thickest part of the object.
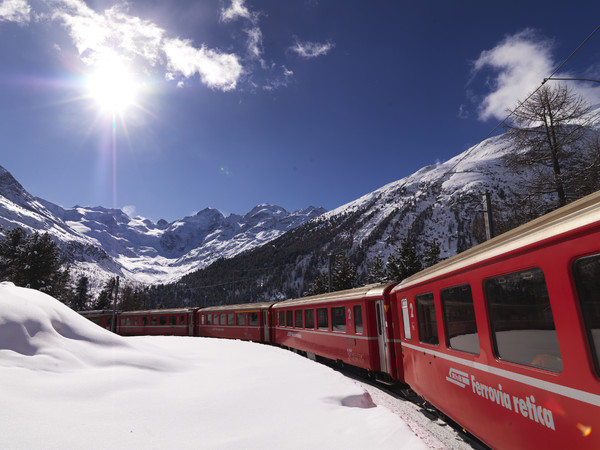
(102, 242)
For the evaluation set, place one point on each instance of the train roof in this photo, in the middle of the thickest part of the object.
(238, 307)
(578, 214)
(368, 291)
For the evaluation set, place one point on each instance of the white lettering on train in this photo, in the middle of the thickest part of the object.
(526, 407)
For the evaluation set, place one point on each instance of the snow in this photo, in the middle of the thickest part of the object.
(67, 383)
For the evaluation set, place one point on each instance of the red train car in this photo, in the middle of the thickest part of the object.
(164, 322)
(249, 322)
(351, 326)
(505, 337)
(102, 318)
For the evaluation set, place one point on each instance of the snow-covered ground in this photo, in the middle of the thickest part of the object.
(67, 383)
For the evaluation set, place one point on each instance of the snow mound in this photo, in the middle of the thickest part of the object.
(39, 332)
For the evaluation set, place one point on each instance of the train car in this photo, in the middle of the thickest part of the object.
(351, 326)
(504, 338)
(102, 318)
(249, 322)
(164, 322)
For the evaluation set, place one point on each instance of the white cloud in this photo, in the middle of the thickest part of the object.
(237, 10)
(116, 32)
(312, 49)
(217, 70)
(15, 11)
(255, 42)
(519, 64)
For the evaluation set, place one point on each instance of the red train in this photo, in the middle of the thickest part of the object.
(503, 338)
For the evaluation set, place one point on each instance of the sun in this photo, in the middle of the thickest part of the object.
(113, 85)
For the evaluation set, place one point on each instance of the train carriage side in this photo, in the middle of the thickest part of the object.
(102, 318)
(249, 322)
(351, 326)
(504, 338)
(160, 322)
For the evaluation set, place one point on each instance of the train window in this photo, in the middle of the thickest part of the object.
(172, 320)
(144, 321)
(230, 319)
(521, 320)
(223, 319)
(322, 319)
(202, 319)
(240, 319)
(338, 318)
(253, 318)
(135, 321)
(298, 318)
(587, 279)
(358, 323)
(459, 318)
(209, 319)
(215, 319)
(122, 321)
(163, 320)
(405, 319)
(182, 320)
(153, 320)
(289, 318)
(309, 318)
(282, 318)
(426, 318)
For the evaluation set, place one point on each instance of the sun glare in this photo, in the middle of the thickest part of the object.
(113, 86)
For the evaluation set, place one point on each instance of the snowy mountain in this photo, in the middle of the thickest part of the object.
(441, 202)
(102, 242)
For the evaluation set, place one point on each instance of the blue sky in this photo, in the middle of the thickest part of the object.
(166, 107)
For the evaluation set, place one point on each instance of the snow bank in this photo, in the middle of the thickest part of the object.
(67, 383)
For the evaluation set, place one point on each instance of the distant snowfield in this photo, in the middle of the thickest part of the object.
(67, 383)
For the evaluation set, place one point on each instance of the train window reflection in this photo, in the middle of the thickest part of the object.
(428, 333)
(298, 318)
(253, 318)
(521, 320)
(358, 322)
(459, 318)
(587, 279)
(309, 318)
(240, 319)
(322, 319)
(338, 318)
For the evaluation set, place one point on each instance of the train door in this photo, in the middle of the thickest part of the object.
(384, 362)
(266, 326)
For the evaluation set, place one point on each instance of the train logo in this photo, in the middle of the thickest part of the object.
(457, 377)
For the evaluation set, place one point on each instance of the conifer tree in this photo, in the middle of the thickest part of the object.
(376, 272)
(344, 275)
(34, 262)
(81, 295)
(431, 255)
(403, 262)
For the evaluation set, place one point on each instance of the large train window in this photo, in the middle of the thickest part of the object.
(587, 279)
(338, 318)
(521, 320)
(309, 318)
(459, 318)
(240, 319)
(298, 318)
(358, 323)
(208, 319)
(322, 319)
(289, 318)
(230, 319)
(172, 320)
(428, 333)
(281, 316)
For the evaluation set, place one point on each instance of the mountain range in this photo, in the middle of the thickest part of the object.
(100, 242)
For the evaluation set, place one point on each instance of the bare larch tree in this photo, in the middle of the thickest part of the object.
(551, 132)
